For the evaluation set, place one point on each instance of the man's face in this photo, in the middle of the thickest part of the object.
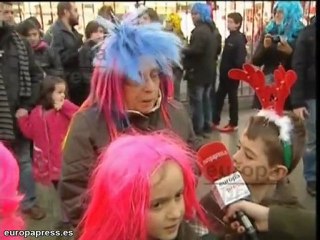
(195, 17)
(73, 15)
(143, 97)
(6, 13)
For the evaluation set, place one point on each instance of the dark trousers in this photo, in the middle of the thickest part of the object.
(177, 78)
(230, 88)
(200, 105)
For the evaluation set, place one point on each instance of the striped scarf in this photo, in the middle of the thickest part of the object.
(6, 116)
(24, 71)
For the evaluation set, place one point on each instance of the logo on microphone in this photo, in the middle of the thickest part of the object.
(215, 157)
(230, 189)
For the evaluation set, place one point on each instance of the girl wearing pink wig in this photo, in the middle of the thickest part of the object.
(9, 198)
(143, 188)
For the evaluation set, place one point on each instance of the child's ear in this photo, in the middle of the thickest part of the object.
(277, 173)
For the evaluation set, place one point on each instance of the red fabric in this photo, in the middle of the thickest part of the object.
(47, 130)
(42, 45)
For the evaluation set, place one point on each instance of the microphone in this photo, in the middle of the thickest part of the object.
(228, 185)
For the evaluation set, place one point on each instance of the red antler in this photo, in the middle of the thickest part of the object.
(283, 81)
(273, 96)
(255, 78)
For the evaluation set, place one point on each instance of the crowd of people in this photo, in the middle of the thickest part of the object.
(101, 120)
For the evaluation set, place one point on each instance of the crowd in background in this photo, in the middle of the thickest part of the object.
(40, 71)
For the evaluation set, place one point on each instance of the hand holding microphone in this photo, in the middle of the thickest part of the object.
(228, 186)
(259, 213)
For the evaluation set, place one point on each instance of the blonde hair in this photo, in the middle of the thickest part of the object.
(175, 20)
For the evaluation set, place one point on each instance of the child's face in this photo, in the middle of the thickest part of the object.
(144, 19)
(33, 37)
(98, 35)
(232, 26)
(58, 94)
(252, 162)
(167, 202)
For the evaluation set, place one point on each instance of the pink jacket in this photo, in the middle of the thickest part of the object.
(47, 130)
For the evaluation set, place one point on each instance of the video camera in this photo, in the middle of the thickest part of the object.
(276, 38)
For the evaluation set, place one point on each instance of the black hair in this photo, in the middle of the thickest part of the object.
(35, 21)
(25, 26)
(152, 14)
(47, 87)
(236, 17)
(92, 27)
(63, 6)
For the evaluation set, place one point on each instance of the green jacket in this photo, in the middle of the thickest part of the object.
(283, 196)
(292, 223)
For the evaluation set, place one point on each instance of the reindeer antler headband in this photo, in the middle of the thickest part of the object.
(272, 99)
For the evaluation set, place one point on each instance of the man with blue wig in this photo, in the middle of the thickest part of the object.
(200, 65)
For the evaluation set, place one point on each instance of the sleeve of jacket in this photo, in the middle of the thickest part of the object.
(67, 55)
(26, 126)
(36, 76)
(197, 43)
(56, 67)
(300, 65)
(261, 53)
(78, 159)
(241, 52)
(85, 63)
(219, 42)
(69, 109)
(48, 36)
(295, 223)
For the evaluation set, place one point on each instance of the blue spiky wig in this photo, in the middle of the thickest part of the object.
(128, 43)
(291, 24)
(203, 10)
(124, 55)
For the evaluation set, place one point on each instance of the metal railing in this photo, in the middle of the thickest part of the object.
(255, 15)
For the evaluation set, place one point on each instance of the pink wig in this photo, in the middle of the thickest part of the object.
(120, 187)
(9, 198)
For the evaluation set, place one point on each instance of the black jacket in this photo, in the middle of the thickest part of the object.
(67, 44)
(234, 53)
(270, 57)
(201, 56)
(86, 56)
(10, 71)
(303, 62)
(48, 60)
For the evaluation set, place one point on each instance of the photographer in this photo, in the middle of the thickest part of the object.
(291, 222)
(276, 45)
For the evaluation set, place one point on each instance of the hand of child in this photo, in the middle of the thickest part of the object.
(58, 105)
(21, 112)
